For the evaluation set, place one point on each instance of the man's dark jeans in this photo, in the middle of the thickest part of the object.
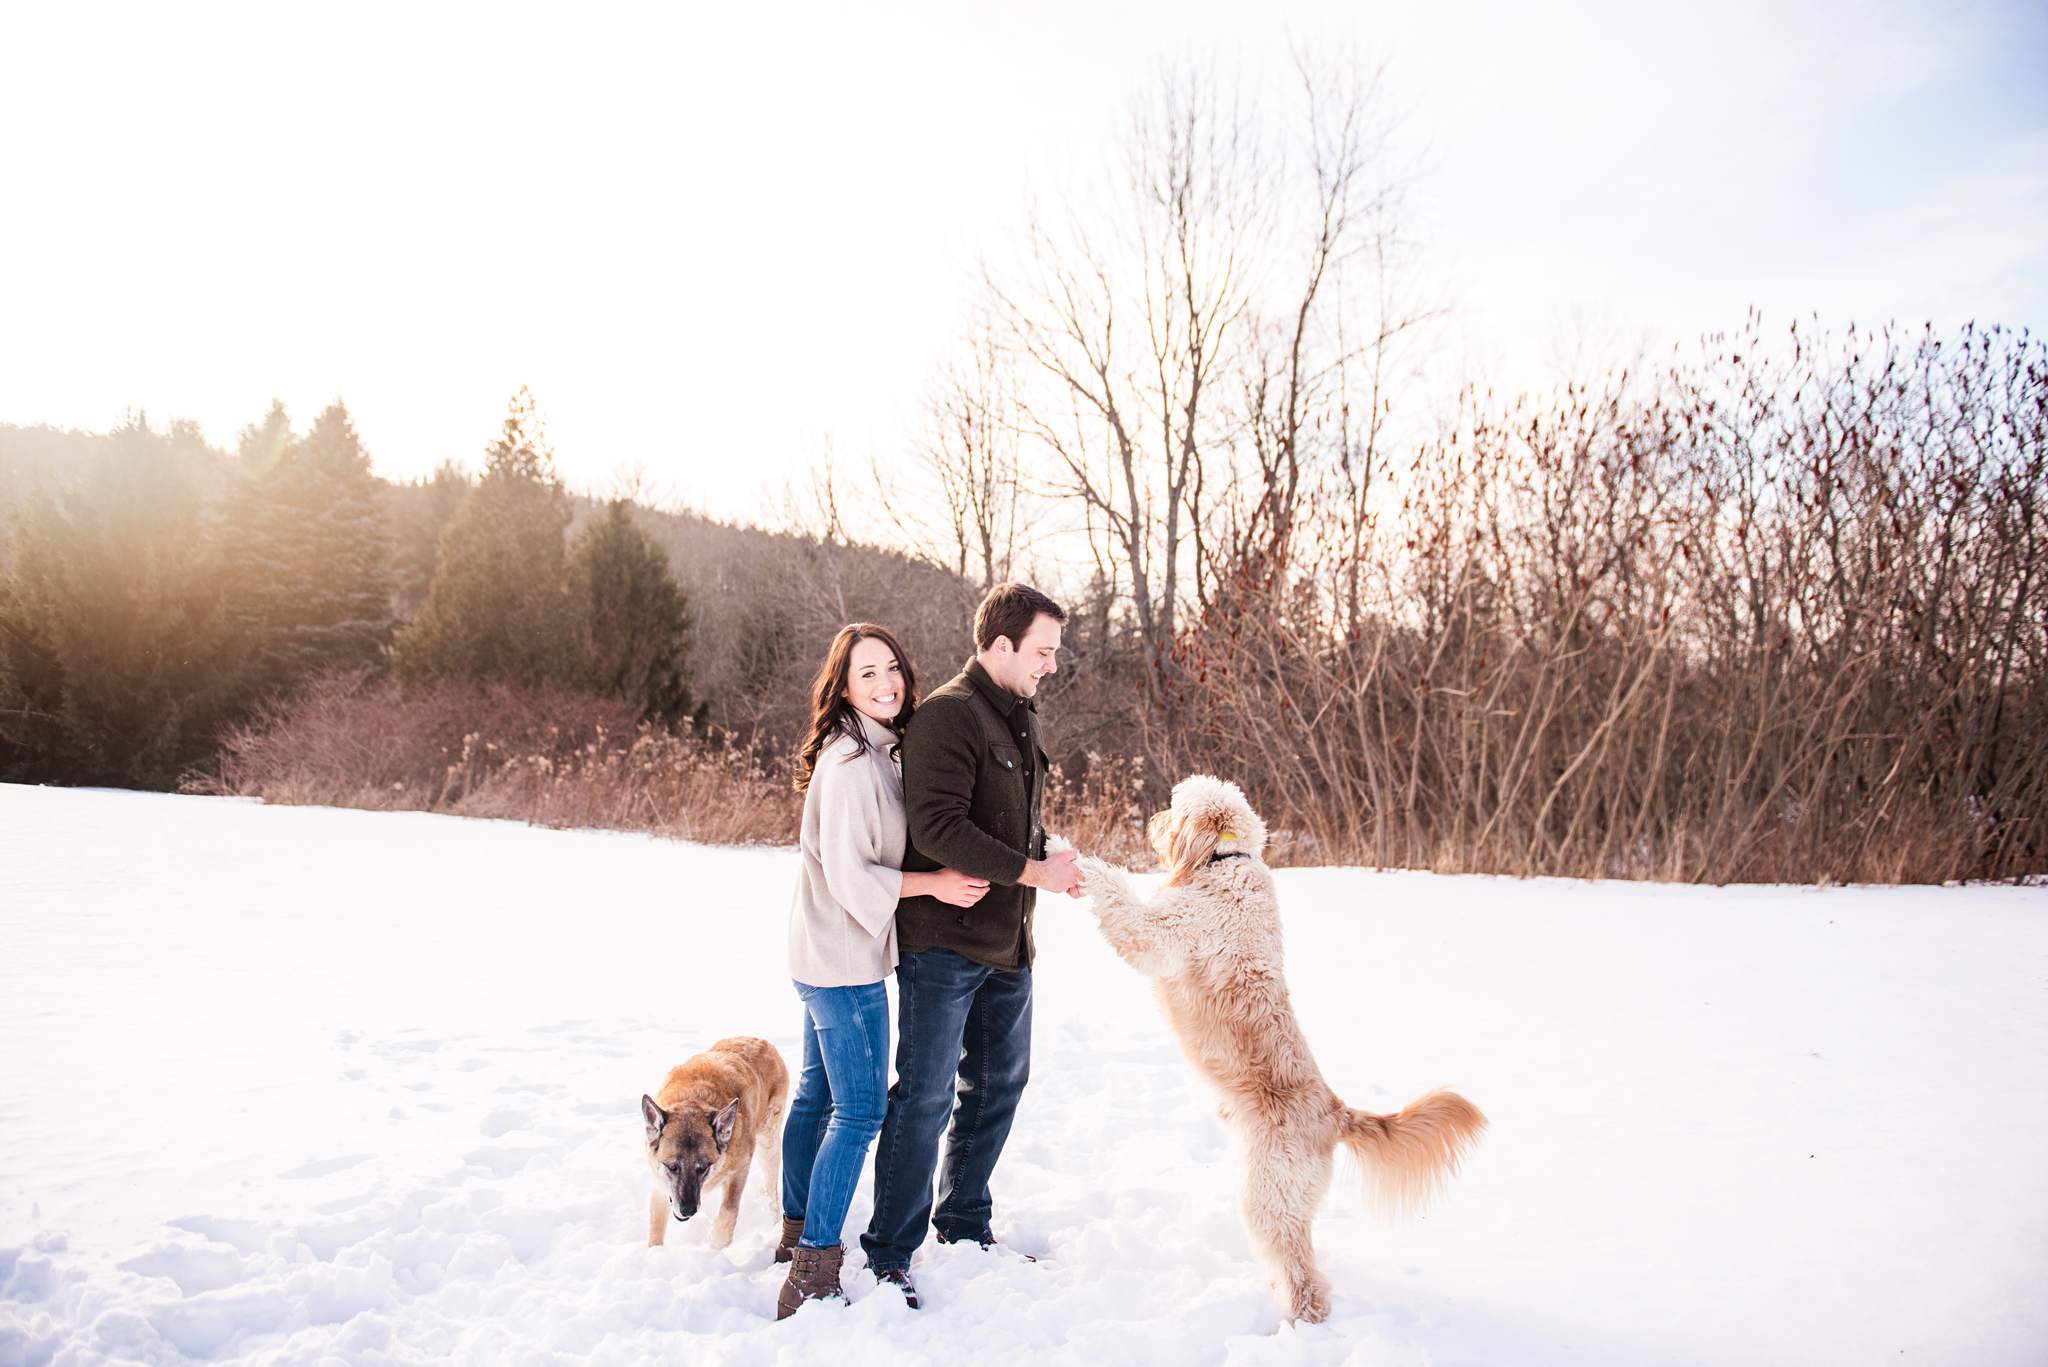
(954, 1019)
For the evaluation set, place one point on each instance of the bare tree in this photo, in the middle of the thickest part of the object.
(1127, 322)
(963, 505)
(1217, 338)
(1334, 362)
(817, 503)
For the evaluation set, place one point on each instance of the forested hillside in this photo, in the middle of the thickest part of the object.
(163, 597)
(1773, 613)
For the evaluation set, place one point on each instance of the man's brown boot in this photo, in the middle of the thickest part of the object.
(813, 1276)
(792, 1230)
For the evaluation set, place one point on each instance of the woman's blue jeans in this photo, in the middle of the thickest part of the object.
(841, 1097)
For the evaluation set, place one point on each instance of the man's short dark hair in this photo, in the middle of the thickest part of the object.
(1009, 610)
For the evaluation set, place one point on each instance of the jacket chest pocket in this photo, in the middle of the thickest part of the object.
(1001, 784)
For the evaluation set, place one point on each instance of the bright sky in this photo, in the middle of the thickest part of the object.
(714, 239)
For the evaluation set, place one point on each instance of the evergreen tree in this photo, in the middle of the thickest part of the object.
(119, 660)
(262, 445)
(500, 604)
(419, 512)
(312, 555)
(636, 617)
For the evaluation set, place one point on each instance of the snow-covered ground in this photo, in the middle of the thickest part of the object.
(294, 1085)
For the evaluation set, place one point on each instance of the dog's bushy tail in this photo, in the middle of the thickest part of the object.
(1409, 1155)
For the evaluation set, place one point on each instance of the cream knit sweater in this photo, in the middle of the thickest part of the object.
(842, 922)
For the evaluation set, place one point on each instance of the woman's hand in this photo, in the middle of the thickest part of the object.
(950, 886)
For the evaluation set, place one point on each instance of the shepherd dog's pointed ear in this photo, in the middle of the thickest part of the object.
(655, 1116)
(721, 1127)
(1192, 839)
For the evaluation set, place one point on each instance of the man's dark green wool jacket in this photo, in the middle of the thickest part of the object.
(973, 785)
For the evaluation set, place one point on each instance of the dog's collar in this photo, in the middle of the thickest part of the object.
(1234, 854)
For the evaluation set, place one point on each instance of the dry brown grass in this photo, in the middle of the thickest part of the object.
(546, 756)
(557, 758)
(1102, 812)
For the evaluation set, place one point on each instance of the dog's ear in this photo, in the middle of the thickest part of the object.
(1190, 840)
(721, 1127)
(654, 1115)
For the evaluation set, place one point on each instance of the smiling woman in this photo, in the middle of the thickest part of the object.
(864, 657)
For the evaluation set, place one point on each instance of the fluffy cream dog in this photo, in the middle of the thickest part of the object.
(1210, 938)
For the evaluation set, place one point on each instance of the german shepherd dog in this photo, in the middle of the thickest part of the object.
(714, 1112)
(1210, 940)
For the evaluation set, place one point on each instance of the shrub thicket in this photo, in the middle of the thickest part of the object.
(546, 754)
(1779, 616)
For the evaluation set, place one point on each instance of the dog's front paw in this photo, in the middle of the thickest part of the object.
(1101, 880)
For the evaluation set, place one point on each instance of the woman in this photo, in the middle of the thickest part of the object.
(842, 943)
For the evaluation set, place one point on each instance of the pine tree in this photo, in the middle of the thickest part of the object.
(119, 660)
(261, 445)
(419, 511)
(636, 617)
(500, 604)
(312, 555)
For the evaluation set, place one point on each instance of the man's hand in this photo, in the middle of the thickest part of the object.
(1055, 873)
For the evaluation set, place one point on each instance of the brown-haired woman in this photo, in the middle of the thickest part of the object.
(842, 942)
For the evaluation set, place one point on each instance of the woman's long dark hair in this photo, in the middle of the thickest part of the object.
(832, 716)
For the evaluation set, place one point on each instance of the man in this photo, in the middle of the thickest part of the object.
(974, 779)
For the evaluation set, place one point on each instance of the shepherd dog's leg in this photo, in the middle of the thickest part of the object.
(729, 1209)
(768, 1148)
(657, 1217)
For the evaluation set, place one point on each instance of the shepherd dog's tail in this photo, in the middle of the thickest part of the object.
(1408, 1156)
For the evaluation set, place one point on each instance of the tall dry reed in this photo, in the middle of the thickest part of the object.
(1778, 617)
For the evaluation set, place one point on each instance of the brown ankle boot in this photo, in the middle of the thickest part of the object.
(792, 1230)
(813, 1276)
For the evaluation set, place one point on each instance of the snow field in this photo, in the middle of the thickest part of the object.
(294, 1085)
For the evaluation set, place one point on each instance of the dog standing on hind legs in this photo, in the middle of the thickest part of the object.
(714, 1113)
(1210, 940)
